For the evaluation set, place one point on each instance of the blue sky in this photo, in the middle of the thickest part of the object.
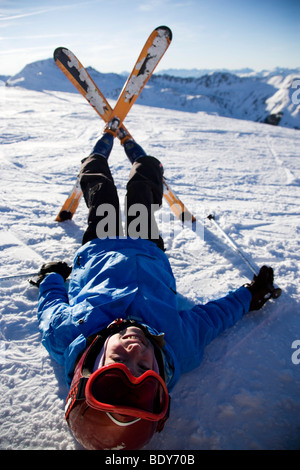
(108, 34)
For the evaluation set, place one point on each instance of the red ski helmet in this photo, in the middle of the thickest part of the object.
(110, 408)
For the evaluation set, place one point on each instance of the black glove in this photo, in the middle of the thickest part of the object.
(59, 267)
(262, 288)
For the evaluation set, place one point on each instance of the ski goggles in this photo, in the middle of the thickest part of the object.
(114, 389)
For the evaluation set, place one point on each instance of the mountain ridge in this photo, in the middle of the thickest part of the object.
(246, 71)
(269, 97)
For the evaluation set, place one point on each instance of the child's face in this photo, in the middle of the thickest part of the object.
(130, 347)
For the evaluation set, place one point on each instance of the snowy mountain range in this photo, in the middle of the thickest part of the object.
(266, 96)
(196, 73)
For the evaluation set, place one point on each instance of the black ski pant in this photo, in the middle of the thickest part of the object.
(144, 187)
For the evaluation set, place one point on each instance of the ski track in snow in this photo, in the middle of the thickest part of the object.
(245, 394)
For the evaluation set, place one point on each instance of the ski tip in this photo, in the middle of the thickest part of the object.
(58, 51)
(167, 31)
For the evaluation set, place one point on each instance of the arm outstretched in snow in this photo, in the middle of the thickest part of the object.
(54, 316)
(203, 323)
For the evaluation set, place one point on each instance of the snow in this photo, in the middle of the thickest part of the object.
(245, 394)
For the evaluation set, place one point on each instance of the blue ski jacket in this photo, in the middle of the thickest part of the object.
(129, 279)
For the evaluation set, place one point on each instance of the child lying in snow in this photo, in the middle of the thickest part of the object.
(117, 330)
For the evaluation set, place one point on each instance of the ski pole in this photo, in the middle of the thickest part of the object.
(276, 291)
(18, 275)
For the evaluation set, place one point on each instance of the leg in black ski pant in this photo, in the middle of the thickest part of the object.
(145, 186)
(98, 188)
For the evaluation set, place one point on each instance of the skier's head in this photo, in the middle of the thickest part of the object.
(131, 347)
(118, 398)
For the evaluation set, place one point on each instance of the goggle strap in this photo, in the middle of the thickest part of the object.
(76, 393)
(162, 422)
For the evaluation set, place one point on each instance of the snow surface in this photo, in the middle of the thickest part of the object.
(245, 394)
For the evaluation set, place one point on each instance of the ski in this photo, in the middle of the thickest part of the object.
(71, 203)
(176, 205)
(152, 52)
(78, 75)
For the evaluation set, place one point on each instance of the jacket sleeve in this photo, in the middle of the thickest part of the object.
(203, 323)
(55, 317)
